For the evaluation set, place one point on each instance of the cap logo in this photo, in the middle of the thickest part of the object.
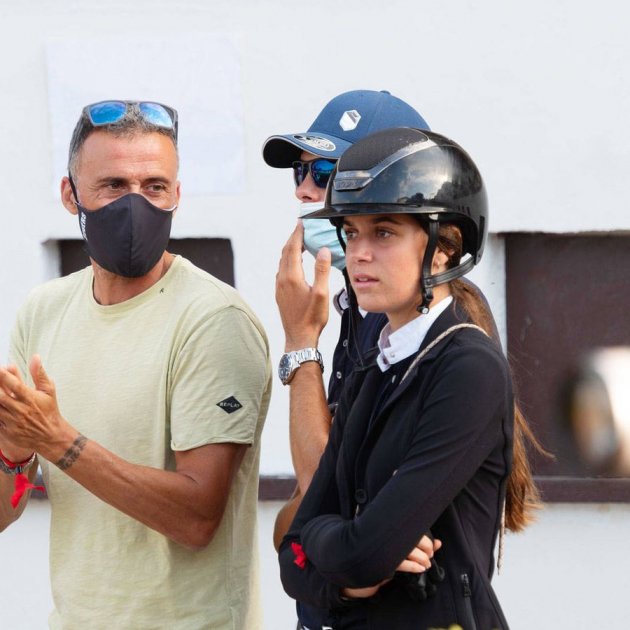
(350, 120)
(316, 142)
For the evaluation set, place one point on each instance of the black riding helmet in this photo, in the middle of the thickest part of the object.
(409, 171)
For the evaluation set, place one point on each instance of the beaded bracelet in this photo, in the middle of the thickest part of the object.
(11, 468)
(22, 484)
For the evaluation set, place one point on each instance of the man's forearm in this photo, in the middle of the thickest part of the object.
(185, 505)
(175, 503)
(309, 423)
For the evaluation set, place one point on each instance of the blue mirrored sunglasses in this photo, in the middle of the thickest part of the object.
(320, 169)
(111, 112)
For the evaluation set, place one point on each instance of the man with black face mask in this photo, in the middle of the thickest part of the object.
(161, 383)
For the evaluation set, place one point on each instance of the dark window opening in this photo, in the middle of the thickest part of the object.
(213, 255)
(566, 296)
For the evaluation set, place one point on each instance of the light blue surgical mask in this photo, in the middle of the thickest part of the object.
(320, 233)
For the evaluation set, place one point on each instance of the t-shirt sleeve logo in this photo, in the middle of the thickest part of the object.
(229, 405)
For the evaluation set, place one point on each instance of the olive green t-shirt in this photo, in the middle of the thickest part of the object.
(184, 364)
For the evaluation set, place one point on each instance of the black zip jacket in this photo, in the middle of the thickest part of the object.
(351, 344)
(436, 457)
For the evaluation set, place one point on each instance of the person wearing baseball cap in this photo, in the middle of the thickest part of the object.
(312, 155)
(346, 119)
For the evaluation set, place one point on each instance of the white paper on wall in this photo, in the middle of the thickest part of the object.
(199, 76)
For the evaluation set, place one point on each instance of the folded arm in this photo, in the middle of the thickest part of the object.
(457, 432)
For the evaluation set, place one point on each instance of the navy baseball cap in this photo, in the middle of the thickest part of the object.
(345, 120)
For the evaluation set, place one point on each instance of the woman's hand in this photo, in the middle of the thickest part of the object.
(418, 561)
(419, 558)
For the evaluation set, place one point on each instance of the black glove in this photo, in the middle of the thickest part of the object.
(419, 586)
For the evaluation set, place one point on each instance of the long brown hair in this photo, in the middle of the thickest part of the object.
(522, 496)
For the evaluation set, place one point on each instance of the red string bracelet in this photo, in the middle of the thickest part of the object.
(22, 484)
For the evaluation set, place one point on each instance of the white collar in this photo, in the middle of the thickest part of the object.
(398, 345)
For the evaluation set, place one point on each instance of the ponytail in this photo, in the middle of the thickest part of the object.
(522, 496)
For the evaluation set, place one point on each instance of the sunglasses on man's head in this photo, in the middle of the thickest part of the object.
(320, 169)
(111, 112)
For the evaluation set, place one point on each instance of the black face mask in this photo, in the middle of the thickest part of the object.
(127, 236)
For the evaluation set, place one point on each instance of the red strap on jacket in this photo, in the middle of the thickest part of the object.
(300, 556)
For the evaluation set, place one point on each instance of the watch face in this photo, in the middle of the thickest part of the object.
(284, 369)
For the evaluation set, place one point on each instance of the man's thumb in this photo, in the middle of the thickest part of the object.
(41, 380)
(322, 267)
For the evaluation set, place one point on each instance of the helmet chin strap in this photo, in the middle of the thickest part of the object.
(354, 317)
(427, 281)
(454, 273)
(340, 235)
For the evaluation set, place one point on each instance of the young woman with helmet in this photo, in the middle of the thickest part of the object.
(426, 437)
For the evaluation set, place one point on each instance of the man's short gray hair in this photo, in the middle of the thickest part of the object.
(132, 123)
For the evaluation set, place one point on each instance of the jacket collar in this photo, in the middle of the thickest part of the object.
(406, 341)
(452, 316)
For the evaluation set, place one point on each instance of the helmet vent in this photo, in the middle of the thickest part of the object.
(377, 147)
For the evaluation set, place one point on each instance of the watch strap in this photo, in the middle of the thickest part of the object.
(308, 354)
(291, 361)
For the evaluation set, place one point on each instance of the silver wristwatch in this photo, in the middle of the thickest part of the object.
(291, 361)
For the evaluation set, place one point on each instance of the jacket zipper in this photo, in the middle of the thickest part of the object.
(470, 621)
